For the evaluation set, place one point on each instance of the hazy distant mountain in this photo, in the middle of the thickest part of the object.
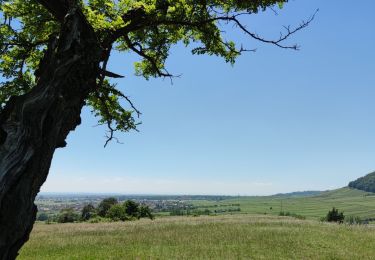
(365, 183)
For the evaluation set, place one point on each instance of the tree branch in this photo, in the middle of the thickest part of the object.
(144, 22)
(141, 53)
(58, 8)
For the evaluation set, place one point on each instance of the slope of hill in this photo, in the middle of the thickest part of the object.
(365, 183)
(353, 202)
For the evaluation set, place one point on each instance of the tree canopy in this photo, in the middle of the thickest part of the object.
(148, 28)
(53, 61)
(105, 205)
(365, 183)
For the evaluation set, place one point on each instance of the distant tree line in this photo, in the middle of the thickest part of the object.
(366, 183)
(109, 209)
(198, 212)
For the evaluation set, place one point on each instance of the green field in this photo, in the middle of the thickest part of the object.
(205, 237)
(255, 232)
(351, 201)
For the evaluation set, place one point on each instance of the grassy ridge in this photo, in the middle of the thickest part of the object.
(218, 237)
(353, 202)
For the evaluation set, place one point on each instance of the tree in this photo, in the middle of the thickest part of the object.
(88, 211)
(131, 208)
(105, 205)
(53, 59)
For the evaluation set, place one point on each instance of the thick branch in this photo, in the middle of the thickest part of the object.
(58, 8)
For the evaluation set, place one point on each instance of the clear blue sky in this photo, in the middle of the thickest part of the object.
(277, 121)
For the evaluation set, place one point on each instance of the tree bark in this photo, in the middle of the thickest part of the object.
(32, 126)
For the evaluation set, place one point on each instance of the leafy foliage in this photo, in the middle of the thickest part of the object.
(109, 208)
(335, 216)
(117, 212)
(42, 216)
(148, 28)
(145, 212)
(67, 216)
(365, 183)
(131, 208)
(105, 205)
(88, 212)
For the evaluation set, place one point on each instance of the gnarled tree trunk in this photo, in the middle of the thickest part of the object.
(32, 126)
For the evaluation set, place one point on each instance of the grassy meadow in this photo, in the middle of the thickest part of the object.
(206, 237)
(351, 201)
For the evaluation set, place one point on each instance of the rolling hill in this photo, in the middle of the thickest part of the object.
(352, 202)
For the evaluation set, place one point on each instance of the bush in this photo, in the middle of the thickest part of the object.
(52, 219)
(116, 213)
(67, 216)
(88, 212)
(145, 212)
(110, 210)
(42, 217)
(132, 209)
(105, 205)
(97, 219)
(335, 216)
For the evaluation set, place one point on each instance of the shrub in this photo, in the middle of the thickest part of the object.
(105, 205)
(335, 216)
(88, 212)
(52, 219)
(42, 216)
(116, 213)
(67, 216)
(132, 209)
(145, 212)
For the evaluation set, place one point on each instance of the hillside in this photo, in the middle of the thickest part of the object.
(207, 237)
(353, 202)
(365, 183)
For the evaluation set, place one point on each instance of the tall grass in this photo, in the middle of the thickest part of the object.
(208, 237)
